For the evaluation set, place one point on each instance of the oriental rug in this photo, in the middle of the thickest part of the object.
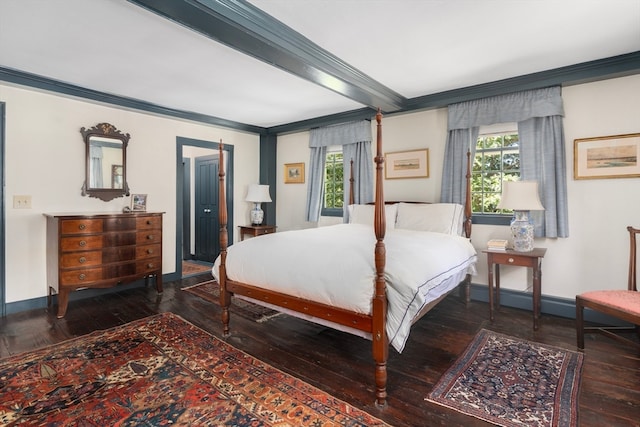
(160, 370)
(191, 268)
(511, 382)
(210, 291)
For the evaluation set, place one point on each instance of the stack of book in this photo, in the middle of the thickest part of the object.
(497, 245)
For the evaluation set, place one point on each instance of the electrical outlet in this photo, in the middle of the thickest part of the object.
(22, 202)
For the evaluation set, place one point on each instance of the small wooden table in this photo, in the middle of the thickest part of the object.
(531, 259)
(256, 230)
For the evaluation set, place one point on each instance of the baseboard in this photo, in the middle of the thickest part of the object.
(41, 302)
(562, 307)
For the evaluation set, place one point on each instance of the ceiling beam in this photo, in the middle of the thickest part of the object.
(243, 27)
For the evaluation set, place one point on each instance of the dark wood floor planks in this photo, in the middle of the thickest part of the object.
(341, 364)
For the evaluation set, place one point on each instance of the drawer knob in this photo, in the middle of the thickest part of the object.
(82, 260)
(150, 265)
(82, 226)
(83, 243)
(150, 237)
(511, 260)
(149, 251)
(82, 276)
(149, 222)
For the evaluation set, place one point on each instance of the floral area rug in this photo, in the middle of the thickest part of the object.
(156, 371)
(511, 382)
(210, 291)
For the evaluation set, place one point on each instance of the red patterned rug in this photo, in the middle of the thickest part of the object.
(210, 291)
(156, 371)
(511, 382)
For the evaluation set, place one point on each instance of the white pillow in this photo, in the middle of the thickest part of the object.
(363, 214)
(439, 217)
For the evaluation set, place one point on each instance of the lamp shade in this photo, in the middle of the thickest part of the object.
(520, 196)
(258, 193)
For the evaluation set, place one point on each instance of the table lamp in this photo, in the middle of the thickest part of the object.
(257, 194)
(521, 197)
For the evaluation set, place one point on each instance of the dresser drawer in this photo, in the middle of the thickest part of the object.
(118, 254)
(80, 276)
(81, 243)
(119, 239)
(81, 259)
(509, 259)
(148, 265)
(148, 237)
(81, 226)
(119, 224)
(147, 251)
(149, 223)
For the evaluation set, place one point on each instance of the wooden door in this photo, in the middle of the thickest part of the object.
(207, 245)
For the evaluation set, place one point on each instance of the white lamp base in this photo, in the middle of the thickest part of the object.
(257, 215)
(522, 232)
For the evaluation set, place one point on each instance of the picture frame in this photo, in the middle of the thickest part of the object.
(407, 164)
(294, 173)
(139, 202)
(616, 156)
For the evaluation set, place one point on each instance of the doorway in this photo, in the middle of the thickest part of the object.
(197, 225)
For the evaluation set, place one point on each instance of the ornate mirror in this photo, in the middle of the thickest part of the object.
(105, 162)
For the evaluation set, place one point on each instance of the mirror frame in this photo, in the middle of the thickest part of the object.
(105, 130)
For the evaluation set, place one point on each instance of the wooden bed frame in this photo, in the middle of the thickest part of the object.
(375, 324)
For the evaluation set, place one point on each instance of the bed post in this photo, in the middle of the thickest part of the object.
(467, 226)
(351, 184)
(379, 303)
(225, 299)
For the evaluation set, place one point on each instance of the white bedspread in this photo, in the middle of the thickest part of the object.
(335, 265)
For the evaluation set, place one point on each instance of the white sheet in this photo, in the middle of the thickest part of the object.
(335, 265)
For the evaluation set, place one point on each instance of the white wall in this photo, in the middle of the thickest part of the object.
(594, 256)
(45, 157)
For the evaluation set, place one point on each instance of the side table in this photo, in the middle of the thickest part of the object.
(256, 230)
(532, 259)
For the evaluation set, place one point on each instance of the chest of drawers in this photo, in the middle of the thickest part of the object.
(101, 251)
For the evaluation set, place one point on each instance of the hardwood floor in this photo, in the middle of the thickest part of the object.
(342, 365)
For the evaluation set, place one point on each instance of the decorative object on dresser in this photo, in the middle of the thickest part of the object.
(101, 250)
(257, 194)
(521, 197)
(139, 202)
(105, 162)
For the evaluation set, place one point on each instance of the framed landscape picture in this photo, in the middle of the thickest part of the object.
(614, 156)
(406, 164)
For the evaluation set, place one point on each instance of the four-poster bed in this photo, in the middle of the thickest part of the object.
(329, 276)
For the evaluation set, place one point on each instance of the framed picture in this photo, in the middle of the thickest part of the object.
(407, 164)
(139, 202)
(294, 173)
(614, 156)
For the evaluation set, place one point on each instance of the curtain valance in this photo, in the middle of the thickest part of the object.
(513, 107)
(342, 134)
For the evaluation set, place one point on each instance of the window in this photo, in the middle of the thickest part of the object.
(497, 159)
(333, 184)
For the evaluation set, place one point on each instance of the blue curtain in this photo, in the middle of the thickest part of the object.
(542, 148)
(355, 137)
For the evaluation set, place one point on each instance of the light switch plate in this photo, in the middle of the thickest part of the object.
(22, 202)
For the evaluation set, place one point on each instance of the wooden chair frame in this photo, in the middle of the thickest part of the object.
(584, 300)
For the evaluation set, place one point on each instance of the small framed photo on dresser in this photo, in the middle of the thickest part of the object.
(139, 202)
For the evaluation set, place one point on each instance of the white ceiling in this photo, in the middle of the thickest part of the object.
(414, 47)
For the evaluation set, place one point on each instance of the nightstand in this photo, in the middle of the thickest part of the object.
(532, 259)
(256, 230)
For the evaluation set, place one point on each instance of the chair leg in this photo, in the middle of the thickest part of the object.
(580, 324)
